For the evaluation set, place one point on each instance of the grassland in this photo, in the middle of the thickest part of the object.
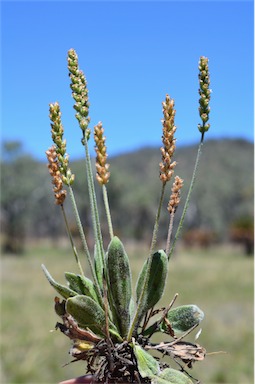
(219, 281)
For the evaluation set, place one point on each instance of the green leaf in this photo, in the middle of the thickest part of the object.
(183, 318)
(171, 376)
(89, 314)
(119, 283)
(82, 285)
(147, 365)
(156, 282)
(61, 289)
(132, 307)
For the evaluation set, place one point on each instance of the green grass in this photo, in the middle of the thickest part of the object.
(219, 281)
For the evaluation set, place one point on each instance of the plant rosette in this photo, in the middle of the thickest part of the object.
(111, 328)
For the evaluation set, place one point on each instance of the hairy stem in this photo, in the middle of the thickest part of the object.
(199, 151)
(170, 230)
(107, 210)
(84, 243)
(134, 324)
(71, 241)
(156, 224)
(93, 201)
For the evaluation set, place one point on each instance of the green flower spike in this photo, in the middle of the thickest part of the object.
(205, 94)
(79, 92)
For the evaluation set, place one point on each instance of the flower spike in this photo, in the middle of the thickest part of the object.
(109, 328)
(57, 132)
(205, 94)
(79, 92)
(102, 167)
(53, 167)
(166, 166)
(175, 196)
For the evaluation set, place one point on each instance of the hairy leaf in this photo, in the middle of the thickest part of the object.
(61, 289)
(171, 376)
(147, 365)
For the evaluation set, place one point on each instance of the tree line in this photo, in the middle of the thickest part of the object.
(221, 207)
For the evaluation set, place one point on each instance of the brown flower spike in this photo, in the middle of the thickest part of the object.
(53, 167)
(175, 196)
(205, 94)
(57, 132)
(166, 166)
(102, 167)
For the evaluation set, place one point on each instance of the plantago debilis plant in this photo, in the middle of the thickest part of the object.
(109, 328)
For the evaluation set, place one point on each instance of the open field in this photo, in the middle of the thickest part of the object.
(219, 281)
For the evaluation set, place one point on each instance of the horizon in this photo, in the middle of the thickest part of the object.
(80, 157)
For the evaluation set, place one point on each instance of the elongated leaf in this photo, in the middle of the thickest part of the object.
(73, 282)
(147, 365)
(119, 283)
(156, 282)
(82, 285)
(171, 376)
(89, 314)
(61, 289)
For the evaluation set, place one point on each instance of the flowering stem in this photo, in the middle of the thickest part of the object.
(71, 241)
(84, 243)
(107, 210)
(93, 202)
(149, 261)
(156, 224)
(170, 229)
(169, 254)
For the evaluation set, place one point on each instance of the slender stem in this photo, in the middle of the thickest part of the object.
(107, 210)
(84, 243)
(170, 230)
(106, 309)
(93, 203)
(199, 151)
(154, 327)
(156, 224)
(80, 228)
(71, 241)
(149, 261)
(147, 318)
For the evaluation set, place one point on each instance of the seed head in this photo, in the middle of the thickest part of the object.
(102, 167)
(55, 173)
(175, 196)
(167, 151)
(57, 132)
(205, 94)
(79, 92)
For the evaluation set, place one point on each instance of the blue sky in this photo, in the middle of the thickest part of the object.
(132, 54)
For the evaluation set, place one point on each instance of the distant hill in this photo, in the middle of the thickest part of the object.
(223, 192)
